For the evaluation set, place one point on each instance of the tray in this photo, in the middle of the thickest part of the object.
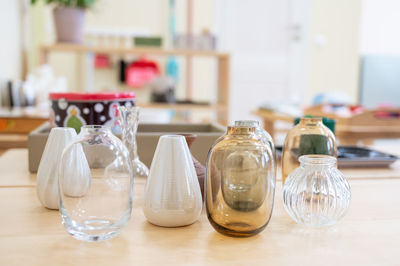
(147, 139)
(352, 156)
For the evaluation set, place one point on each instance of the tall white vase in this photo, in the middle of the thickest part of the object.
(172, 195)
(47, 176)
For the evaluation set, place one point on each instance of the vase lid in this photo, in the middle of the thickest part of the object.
(99, 96)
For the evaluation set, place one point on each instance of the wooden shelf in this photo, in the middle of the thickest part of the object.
(118, 50)
(183, 107)
(221, 108)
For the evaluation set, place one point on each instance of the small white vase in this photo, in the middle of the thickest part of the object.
(172, 195)
(47, 175)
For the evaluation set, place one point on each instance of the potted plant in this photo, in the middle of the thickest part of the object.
(69, 17)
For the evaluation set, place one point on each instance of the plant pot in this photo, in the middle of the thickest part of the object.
(69, 22)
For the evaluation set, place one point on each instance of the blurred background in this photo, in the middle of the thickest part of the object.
(208, 60)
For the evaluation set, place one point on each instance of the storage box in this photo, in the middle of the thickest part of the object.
(147, 139)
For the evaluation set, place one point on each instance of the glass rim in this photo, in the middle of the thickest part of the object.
(312, 119)
(96, 127)
(317, 159)
(123, 107)
(247, 123)
(241, 128)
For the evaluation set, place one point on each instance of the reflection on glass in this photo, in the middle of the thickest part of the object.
(240, 183)
(310, 136)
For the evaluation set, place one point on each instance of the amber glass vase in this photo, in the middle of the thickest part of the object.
(309, 136)
(263, 135)
(240, 183)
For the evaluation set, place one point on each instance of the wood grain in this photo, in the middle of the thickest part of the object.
(368, 235)
(32, 235)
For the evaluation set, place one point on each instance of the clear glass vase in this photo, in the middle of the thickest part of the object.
(310, 136)
(240, 183)
(95, 184)
(129, 121)
(316, 193)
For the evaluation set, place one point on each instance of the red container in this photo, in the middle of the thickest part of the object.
(78, 109)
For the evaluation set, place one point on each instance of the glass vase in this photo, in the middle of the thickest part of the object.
(240, 183)
(129, 121)
(95, 184)
(265, 137)
(310, 136)
(316, 193)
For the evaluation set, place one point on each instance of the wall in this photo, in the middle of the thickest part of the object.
(380, 23)
(10, 44)
(380, 48)
(334, 47)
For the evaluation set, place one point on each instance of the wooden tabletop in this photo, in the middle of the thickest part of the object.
(368, 235)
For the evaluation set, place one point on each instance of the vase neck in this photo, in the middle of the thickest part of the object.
(240, 130)
(95, 130)
(129, 121)
(247, 123)
(311, 121)
(317, 161)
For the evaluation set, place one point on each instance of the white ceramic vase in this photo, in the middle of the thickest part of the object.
(172, 195)
(47, 175)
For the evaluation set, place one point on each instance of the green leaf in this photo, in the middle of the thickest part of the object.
(72, 3)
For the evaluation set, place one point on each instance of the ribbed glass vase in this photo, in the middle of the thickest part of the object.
(129, 121)
(316, 193)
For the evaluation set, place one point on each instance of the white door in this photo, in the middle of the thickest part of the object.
(261, 36)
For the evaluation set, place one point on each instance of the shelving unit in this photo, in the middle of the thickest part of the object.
(221, 107)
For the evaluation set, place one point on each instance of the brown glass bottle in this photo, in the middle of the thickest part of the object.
(310, 136)
(240, 183)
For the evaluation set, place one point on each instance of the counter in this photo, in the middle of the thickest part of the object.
(368, 235)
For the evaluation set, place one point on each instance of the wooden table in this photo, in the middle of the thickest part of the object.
(368, 235)
(16, 123)
(347, 133)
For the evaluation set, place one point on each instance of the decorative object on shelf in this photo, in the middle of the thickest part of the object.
(265, 137)
(47, 176)
(162, 89)
(203, 41)
(310, 136)
(200, 169)
(75, 109)
(316, 193)
(129, 121)
(102, 61)
(69, 18)
(100, 210)
(172, 195)
(140, 41)
(240, 184)
(140, 72)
